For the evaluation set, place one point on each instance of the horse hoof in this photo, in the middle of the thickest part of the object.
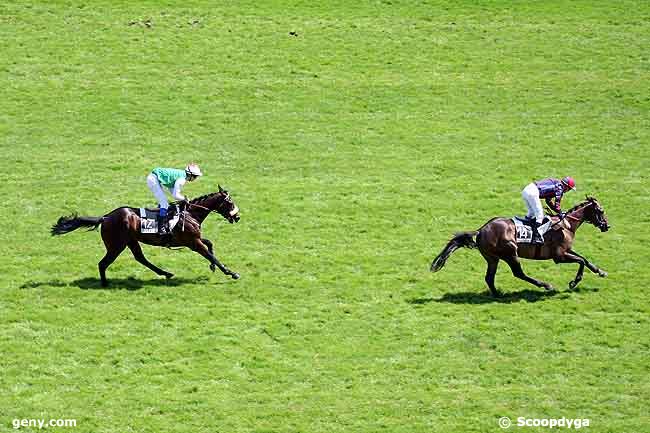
(549, 288)
(235, 276)
(168, 276)
(212, 268)
(602, 274)
(572, 284)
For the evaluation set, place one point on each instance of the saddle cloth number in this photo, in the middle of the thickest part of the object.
(149, 222)
(147, 225)
(524, 234)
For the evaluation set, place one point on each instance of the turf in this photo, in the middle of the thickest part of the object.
(356, 137)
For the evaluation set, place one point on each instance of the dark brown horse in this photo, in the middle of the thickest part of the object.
(496, 241)
(121, 228)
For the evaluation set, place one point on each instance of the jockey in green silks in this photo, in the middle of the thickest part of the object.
(173, 180)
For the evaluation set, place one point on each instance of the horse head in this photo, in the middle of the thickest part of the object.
(595, 214)
(228, 209)
(220, 202)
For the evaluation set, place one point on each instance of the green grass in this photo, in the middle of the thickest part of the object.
(355, 149)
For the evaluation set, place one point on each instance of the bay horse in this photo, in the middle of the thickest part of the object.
(121, 228)
(496, 241)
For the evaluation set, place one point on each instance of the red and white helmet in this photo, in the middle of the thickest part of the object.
(193, 169)
(568, 181)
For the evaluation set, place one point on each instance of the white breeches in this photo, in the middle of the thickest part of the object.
(154, 186)
(533, 203)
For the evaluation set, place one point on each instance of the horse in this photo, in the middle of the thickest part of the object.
(496, 240)
(121, 228)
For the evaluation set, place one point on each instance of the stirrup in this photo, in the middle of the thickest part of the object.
(163, 228)
(537, 239)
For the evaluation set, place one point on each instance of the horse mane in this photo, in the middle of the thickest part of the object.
(589, 199)
(203, 197)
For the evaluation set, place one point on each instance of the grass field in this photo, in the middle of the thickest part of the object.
(356, 137)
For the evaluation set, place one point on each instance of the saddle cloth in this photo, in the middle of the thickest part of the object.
(149, 220)
(524, 232)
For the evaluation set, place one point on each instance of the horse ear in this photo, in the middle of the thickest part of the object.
(220, 189)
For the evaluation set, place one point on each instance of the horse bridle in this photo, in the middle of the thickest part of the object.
(601, 222)
(598, 223)
(230, 214)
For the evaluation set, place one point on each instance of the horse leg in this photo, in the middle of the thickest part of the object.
(593, 268)
(492, 264)
(112, 252)
(578, 277)
(135, 248)
(203, 249)
(570, 258)
(208, 243)
(518, 272)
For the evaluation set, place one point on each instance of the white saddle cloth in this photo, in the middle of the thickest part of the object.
(149, 221)
(524, 233)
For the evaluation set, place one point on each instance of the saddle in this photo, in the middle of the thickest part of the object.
(524, 230)
(149, 219)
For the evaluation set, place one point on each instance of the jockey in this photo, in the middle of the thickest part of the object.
(172, 179)
(552, 191)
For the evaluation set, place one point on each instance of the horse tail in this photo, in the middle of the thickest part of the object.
(460, 240)
(66, 224)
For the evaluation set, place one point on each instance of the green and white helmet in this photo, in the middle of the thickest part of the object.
(193, 169)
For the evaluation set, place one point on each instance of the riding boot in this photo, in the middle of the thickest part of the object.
(537, 238)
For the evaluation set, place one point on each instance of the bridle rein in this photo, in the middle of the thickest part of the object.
(567, 214)
(224, 201)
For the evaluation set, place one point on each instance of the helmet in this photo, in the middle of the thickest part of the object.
(193, 169)
(568, 181)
